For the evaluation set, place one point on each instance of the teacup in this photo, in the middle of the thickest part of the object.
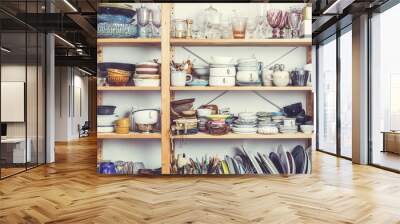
(180, 78)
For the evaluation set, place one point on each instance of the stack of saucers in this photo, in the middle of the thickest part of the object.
(246, 123)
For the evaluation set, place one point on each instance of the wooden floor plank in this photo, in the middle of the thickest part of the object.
(70, 191)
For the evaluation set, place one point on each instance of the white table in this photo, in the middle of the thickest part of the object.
(19, 155)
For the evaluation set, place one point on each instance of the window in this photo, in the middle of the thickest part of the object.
(327, 96)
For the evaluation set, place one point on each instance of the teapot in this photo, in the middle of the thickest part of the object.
(280, 77)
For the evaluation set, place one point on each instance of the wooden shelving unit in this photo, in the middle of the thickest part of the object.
(129, 41)
(167, 92)
(244, 136)
(129, 136)
(240, 88)
(128, 88)
(242, 42)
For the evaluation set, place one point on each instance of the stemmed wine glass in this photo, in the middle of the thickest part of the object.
(274, 17)
(282, 23)
(143, 15)
(156, 21)
(295, 18)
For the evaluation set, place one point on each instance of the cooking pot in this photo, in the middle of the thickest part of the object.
(223, 71)
(222, 81)
(146, 116)
(248, 76)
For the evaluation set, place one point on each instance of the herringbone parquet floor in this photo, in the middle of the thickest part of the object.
(70, 191)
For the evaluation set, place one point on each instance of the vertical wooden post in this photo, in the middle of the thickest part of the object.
(99, 102)
(165, 84)
(310, 94)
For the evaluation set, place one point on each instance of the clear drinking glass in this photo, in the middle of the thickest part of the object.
(251, 26)
(226, 27)
(239, 27)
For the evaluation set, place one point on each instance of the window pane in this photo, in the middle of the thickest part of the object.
(327, 97)
(346, 94)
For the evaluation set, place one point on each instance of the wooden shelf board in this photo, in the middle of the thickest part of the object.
(245, 136)
(128, 88)
(129, 41)
(241, 42)
(129, 136)
(240, 88)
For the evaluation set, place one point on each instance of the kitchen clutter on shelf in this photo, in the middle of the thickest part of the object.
(228, 71)
(266, 23)
(124, 21)
(125, 167)
(139, 121)
(279, 161)
(212, 120)
(146, 74)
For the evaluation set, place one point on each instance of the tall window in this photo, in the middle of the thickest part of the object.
(346, 93)
(385, 89)
(327, 96)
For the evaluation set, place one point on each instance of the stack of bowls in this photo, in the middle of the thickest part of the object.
(246, 123)
(147, 74)
(122, 126)
(222, 71)
(248, 72)
(106, 119)
(265, 124)
(289, 125)
(202, 114)
(118, 77)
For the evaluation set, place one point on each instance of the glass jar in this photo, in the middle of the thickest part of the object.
(180, 28)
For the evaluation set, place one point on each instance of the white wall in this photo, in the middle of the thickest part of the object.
(70, 84)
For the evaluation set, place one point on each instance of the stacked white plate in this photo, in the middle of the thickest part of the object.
(105, 123)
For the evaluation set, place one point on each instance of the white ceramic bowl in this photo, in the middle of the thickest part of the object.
(223, 60)
(247, 68)
(307, 128)
(147, 70)
(201, 70)
(223, 71)
(147, 82)
(247, 76)
(204, 112)
(147, 116)
(107, 129)
(247, 64)
(106, 120)
(247, 115)
(244, 130)
(246, 60)
(222, 81)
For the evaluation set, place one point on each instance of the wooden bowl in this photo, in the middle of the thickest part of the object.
(188, 112)
(118, 80)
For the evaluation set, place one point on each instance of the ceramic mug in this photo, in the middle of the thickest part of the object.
(180, 78)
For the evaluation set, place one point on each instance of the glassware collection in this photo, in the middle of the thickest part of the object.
(269, 23)
(123, 21)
